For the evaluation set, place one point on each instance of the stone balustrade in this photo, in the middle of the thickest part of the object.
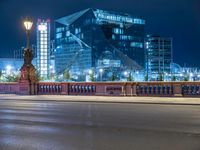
(9, 88)
(165, 89)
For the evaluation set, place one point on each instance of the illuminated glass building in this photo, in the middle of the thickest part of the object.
(43, 47)
(158, 55)
(94, 38)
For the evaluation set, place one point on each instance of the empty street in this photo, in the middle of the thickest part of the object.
(60, 125)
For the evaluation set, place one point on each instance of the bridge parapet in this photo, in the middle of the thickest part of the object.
(165, 89)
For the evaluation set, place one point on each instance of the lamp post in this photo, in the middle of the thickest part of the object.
(28, 78)
(28, 25)
(28, 55)
(101, 73)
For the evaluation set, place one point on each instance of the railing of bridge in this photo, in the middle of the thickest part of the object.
(66, 88)
(81, 89)
(9, 88)
(155, 89)
(191, 89)
(49, 88)
(186, 89)
(168, 89)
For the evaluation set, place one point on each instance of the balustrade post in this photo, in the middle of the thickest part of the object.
(177, 87)
(124, 89)
(64, 89)
(129, 89)
(133, 89)
(190, 90)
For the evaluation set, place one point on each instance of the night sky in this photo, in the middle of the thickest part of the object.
(179, 19)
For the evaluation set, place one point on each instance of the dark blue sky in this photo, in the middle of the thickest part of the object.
(179, 19)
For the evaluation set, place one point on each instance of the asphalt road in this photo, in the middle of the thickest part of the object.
(37, 125)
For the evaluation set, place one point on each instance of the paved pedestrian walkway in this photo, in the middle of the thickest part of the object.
(100, 99)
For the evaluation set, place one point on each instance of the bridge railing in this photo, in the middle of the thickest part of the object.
(81, 89)
(155, 89)
(121, 88)
(49, 88)
(191, 89)
(168, 89)
(9, 88)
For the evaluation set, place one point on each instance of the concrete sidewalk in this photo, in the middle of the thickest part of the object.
(104, 99)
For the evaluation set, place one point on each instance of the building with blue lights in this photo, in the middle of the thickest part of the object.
(43, 47)
(99, 39)
(158, 56)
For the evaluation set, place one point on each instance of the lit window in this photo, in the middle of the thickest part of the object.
(113, 37)
(77, 30)
(118, 31)
(59, 35)
(139, 21)
(136, 44)
(68, 33)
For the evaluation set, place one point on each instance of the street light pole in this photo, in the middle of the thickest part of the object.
(101, 74)
(28, 79)
(28, 39)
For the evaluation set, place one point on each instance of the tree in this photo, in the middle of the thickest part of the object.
(146, 77)
(12, 78)
(186, 77)
(130, 78)
(161, 77)
(92, 76)
(173, 78)
(1, 74)
(66, 75)
(113, 77)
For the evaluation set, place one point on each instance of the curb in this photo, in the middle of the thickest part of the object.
(111, 102)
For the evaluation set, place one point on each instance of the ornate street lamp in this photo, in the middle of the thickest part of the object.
(28, 78)
(28, 54)
(28, 23)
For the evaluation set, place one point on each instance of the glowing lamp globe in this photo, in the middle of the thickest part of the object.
(28, 24)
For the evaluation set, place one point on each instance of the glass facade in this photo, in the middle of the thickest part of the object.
(95, 38)
(43, 47)
(158, 55)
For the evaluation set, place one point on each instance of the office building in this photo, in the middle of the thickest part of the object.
(43, 47)
(95, 38)
(158, 55)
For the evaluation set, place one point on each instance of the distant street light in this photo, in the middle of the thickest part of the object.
(90, 71)
(101, 73)
(8, 69)
(125, 73)
(101, 70)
